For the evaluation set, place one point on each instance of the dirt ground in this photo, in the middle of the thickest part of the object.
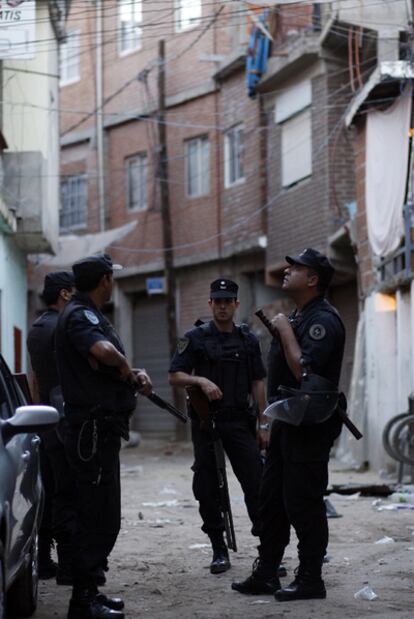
(160, 562)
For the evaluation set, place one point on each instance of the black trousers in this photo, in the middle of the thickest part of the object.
(243, 453)
(98, 498)
(295, 479)
(58, 514)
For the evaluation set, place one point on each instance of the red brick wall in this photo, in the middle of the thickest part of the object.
(364, 255)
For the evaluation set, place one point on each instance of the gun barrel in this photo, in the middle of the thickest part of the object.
(158, 401)
(272, 330)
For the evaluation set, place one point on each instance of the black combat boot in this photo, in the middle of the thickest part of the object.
(308, 584)
(84, 605)
(221, 562)
(262, 580)
(47, 567)
(64, 571)
(109, 602)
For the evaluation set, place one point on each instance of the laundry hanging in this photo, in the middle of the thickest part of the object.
(257, 55)
(386, 155)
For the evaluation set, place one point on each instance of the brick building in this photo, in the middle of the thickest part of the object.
(383, 374)
(214, 141)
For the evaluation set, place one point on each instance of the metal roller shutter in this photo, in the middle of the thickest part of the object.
(151, 352)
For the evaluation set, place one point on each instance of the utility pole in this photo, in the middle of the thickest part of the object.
(167, 236)
(99, 118)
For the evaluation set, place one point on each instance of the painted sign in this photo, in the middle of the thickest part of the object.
(17, 29)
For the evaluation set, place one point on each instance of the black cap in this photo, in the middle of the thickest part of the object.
(313, 259)
(223, 289)
(98, 264)
(57, 281)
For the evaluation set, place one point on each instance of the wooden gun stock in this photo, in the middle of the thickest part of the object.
(200, 404)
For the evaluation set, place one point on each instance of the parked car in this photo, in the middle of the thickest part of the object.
(21, 495)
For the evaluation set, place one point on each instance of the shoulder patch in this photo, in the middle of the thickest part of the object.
(317, 332)
(93, 318)
(182, 345)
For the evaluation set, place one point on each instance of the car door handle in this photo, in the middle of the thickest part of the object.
(36, 441)
(26, 455)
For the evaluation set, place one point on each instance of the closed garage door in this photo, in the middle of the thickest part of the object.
(151, 352)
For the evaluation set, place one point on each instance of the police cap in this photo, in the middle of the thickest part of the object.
(57, 281)
(223, 289)
(313, 259)
(98, 264)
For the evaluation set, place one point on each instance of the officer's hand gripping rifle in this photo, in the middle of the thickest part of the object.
(341, 411)
(199, 402)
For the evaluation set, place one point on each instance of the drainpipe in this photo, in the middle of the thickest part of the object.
(99, 118)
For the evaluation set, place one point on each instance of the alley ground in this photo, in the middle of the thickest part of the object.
(160, 563)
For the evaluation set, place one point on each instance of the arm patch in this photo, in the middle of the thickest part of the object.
(182, 344)
(317, 332)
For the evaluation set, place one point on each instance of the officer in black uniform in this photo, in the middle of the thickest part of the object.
(295, 475)
(224, 360)
(58, 516)
(99, 388)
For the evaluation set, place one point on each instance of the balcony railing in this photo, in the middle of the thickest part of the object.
(398, 266)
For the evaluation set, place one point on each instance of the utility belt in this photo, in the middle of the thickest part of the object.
(226, 414)
(77, 415)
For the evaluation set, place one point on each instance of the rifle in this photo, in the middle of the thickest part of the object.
(340, 410)
(201, 405)
(153, 397)
(161, 403)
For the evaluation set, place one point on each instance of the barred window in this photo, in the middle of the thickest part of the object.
(130, 30)
(74, 202)
(188, 14)
(137, 175)
(70, 59)
(197, 167)
(234, 156)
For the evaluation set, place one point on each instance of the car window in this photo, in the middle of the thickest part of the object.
(5, 408)
(11, 386)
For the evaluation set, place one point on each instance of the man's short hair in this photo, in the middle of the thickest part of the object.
(54, 283)
(89, 271)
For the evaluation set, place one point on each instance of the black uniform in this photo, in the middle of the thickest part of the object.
(295, 475)
(58, 515)
(97, 408)
(231, 361)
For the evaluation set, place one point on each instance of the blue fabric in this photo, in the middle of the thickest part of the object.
(257, 55)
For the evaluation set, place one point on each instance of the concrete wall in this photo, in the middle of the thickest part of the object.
(30, 119)
(13, 302)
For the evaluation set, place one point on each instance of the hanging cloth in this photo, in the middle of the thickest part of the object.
(386, 173)
(257, 55)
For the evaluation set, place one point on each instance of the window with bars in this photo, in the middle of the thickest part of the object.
(137, 182)
(70, 59)
(187, 14)
(197, 167)
(234, 156)
(130, 22)
(74, 202)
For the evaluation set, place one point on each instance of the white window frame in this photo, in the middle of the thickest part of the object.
(140, 161)
(78, 213)
(135, 8)
(183, 20)
(197, 155)
(65, 59)
(296, 148)
(234, 151)
(293, 113)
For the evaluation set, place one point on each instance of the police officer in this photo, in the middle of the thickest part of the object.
(224, 360)
(295, 475)
(99, 388)
(58, 516)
